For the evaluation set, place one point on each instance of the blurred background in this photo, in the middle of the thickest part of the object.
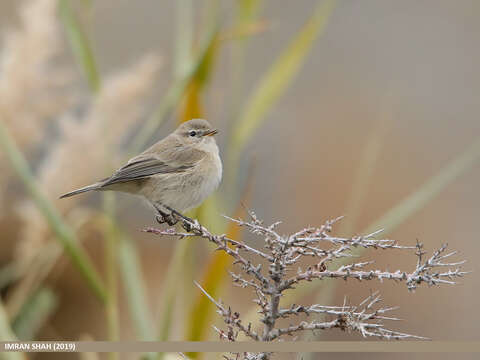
(367, 109)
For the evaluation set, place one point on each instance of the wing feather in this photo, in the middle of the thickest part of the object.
(143, 168)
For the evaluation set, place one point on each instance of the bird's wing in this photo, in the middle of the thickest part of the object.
(142, 167)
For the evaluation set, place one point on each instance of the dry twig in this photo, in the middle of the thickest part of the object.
(283, 252)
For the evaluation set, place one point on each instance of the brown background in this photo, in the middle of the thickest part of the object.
(415, 62)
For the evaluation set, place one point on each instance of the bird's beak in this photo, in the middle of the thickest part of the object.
(210, 132)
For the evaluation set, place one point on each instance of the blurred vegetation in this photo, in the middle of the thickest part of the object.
(195, 60)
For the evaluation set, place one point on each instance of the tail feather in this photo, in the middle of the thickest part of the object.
(95, 186)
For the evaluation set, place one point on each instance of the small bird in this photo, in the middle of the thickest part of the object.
(176, 174)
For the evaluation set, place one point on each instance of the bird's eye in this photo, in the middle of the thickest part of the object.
(192, 133)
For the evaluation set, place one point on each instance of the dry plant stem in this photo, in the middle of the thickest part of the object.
(282, 252)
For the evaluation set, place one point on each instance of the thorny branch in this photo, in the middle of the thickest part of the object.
(283, 252)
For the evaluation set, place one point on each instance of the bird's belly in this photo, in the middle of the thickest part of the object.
(183, 191)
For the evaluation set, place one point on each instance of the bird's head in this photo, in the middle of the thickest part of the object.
(196, 131)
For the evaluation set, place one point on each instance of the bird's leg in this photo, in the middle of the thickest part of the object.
(171, 219)
(164, 217)
(160, 217)
(187, 222)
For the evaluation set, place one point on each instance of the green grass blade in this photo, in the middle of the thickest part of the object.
(8, 274)
(6, 334)
(362, 178)
(80, 45)
(166, 106)
(192, 98)
(83, 53)
(171, 287)
(172, 97)
(426, 192)
(183, 42)
(87, 3)
(276, 80)
(248, 9)
(34, 314)
(247, 12)
(135, 291)
(63, 233)
(111, 231)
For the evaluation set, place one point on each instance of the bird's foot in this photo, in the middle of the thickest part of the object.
(173, 217)
(170, 219)
(187, 222)
(160, 219)
(187, 226)
(163, 217)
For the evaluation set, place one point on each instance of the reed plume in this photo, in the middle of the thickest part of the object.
(31, 78)
(86, 145)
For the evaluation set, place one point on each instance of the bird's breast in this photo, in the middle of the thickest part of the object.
(207, 177)
(187, 190)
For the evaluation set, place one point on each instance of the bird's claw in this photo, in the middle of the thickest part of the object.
(160, 219)
(163, 218)
(173, 218)
(187, 226)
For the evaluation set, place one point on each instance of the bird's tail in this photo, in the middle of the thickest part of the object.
(95, 186)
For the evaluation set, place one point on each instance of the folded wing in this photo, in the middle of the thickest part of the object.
(142, 168)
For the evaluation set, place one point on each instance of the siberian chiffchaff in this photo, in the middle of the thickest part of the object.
(176, 174)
